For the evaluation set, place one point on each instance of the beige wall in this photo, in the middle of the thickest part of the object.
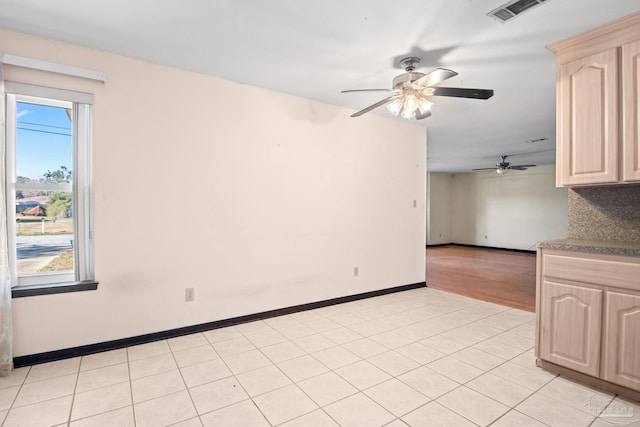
(439, 191)
(513, 211)
(256, 199)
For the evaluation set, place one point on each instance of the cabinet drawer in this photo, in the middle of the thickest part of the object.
(605, 272)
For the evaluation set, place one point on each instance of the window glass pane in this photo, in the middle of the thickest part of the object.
(44, 147)
(44, 214)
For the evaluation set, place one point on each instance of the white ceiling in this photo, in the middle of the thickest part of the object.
(315, 49)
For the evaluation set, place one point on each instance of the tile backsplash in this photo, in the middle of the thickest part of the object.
(605, 213)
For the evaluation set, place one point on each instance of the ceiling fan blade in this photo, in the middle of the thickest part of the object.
(420, 116)
(434, 77)
(374, 106)
(369, 90)
(463, 92)
(485, 169)
(522, 166)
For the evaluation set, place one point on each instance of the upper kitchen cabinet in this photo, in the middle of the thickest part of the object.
(631, 110)
(598, 78)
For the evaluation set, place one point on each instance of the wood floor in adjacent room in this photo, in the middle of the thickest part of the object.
(494, 275)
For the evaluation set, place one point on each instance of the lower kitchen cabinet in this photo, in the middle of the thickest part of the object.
(588, 314)
(622, 339)
(571, 326)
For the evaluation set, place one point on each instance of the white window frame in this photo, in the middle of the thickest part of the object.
(81, 186)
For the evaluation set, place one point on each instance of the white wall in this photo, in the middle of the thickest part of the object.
(256, 199)
(513, 211)
(439, 192)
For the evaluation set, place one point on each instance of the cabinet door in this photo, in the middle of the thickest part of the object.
(622, 340)
(570, 322)
(588, 120)
(631, 111)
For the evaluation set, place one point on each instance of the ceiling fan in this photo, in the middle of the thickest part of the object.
(411, 89)
(503, 166)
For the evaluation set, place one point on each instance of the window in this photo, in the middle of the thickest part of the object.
(49, 188)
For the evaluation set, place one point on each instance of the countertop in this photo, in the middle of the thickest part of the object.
(593, 246)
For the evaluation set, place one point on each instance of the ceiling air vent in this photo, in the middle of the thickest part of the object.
(512, 9)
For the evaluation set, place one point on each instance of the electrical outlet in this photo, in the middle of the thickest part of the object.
(485, 236)
(355, 271)
(189, 294)
(415, 204)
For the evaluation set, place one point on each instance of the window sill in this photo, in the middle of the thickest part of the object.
(61, 288)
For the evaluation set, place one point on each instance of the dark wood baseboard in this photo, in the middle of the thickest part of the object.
(50, 356)
(526, 251)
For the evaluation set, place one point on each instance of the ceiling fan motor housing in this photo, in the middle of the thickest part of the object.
(403, 79)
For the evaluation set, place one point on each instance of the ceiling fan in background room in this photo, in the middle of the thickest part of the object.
(411, 89)
(503, 166)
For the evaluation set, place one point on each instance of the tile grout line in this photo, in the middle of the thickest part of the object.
(293, 383)
(184, 382)
(13, 401)
(75, 387)
(233, 375)
(133, 406)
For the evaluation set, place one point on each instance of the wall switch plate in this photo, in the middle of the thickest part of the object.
(355, 271)
(189, 294)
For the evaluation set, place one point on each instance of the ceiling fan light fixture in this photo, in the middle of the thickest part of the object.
(395, 106)
(424, 105)
(428, 91)
(501, 171)
(411, 103)
(407, 114)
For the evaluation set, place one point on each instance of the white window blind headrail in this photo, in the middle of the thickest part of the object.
(36, 64)
(38, 92)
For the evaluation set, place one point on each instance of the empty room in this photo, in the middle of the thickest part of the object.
(361, 213)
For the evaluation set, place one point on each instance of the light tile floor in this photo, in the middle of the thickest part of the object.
(416, 358)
